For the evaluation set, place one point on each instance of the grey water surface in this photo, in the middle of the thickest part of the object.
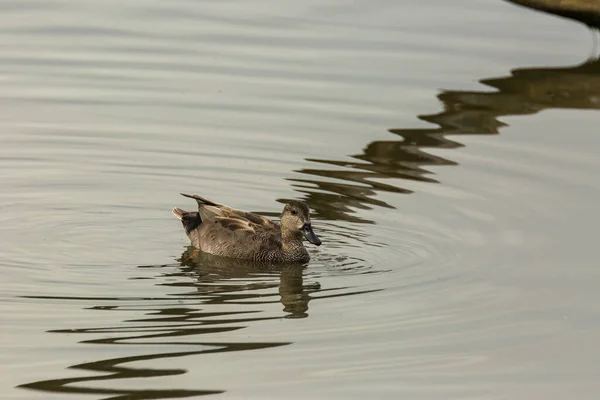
(448, 151)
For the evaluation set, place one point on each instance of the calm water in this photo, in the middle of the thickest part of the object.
(448, 151)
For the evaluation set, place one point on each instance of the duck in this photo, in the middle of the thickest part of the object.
(224, 231)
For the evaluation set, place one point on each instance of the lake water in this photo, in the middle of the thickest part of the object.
(448, 151)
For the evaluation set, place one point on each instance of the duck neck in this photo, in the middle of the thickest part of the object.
(292, 249)
(291, 239)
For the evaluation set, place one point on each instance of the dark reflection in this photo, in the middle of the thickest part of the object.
(336, 193)
(585, 11)
(187, 318)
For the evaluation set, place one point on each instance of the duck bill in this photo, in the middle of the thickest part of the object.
(310, 235)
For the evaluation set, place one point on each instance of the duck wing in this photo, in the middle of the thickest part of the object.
(210, 210)
(238, 238)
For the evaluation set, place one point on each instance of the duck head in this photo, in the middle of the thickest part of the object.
(295, 220)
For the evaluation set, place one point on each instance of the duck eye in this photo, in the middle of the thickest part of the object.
(294, 212)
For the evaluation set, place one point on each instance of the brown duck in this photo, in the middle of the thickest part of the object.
(225, 231)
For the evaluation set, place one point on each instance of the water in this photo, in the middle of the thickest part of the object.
(448, 152)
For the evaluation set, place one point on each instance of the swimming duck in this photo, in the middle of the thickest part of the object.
(224, 231)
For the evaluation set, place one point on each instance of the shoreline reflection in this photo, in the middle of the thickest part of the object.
(354, 184)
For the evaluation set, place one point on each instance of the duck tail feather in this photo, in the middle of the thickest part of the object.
(201, 200)
(179, 213)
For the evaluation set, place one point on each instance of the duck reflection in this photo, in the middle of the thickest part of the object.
(170, 320)
(524, 91)
(239, 279)
(186, 321)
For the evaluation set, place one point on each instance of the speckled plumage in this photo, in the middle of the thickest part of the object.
(224, 231)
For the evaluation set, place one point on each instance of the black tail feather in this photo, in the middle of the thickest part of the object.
(201, 200)
(191, 221)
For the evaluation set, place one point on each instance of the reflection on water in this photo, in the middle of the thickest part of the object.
(525, 91)
(211, 282)
(216, 274)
